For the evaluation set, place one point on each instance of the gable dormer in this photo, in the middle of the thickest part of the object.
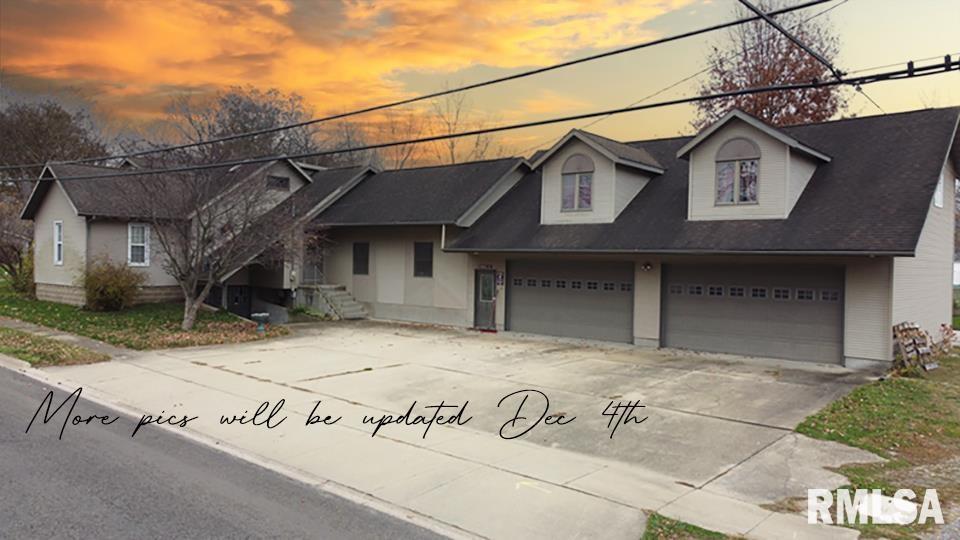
(587, 178)
(743, 168)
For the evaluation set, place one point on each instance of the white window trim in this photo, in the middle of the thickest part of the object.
(146, 244)
(577, 206)
(938, 194)
(736, 183)
(58, 242)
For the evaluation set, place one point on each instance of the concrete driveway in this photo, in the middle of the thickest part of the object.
(717, 443)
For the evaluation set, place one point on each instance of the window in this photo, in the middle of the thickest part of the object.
(759, 293)
(715, 290)
(592, 285)
(829, 295)
(138, 244)
(278, 182)
(531, 282)
(676, 289)
(58, 243)
(545, 283)
(738, 164)
(780, 293)
(576, 183)
(938, 194)
(609, 286)
(561, 284)
(805, 295)
(736, 291)
(626, 287)
(361, 258)
(695, 290)
(576, 284)
(423, 259)
(518, 282)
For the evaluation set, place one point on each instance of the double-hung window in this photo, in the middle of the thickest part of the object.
(423, 259)
(576, 184)
(737, 174)
(138, 244)
(58, 243)
(361, 258)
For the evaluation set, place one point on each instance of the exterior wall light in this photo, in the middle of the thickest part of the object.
(646, 267)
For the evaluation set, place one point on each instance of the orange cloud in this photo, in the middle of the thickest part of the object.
(135, 54)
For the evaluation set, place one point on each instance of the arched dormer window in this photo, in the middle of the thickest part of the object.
(738, 167)
(577, 183)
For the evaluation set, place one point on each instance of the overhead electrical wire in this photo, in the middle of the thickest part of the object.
(489, 82)
(911, 71)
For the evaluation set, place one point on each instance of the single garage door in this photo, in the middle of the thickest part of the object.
(591, 300)
(792, 312)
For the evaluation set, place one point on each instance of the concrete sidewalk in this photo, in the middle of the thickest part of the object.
(468, 478)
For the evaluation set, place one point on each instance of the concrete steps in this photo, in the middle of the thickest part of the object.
(342, 302)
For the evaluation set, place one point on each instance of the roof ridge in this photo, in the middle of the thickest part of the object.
(454, 164)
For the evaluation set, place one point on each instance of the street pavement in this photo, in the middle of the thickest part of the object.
(99, 482)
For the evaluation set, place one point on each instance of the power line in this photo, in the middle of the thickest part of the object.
(910, 72)
(706, 69)
(423, 97)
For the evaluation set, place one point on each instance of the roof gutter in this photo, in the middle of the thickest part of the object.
(684, 252)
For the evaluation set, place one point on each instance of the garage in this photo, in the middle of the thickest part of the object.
(580, 299)
(793, 312)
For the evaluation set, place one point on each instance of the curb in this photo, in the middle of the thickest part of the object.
(329, 486)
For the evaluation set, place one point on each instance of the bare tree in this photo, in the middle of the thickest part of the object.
(208, 224)
(34, 133)
(398, 126)
(756, 54)
(450, 114)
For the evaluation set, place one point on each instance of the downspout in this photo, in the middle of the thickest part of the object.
(443, 237)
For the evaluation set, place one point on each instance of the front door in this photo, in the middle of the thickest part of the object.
(485, 300)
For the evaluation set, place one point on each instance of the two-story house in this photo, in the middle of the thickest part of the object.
(803, 243)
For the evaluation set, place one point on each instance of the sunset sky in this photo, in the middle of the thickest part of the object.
(127, 58)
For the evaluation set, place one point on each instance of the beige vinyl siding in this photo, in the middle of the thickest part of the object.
(603, 188)
(868, 303)
(109, 239)
(628, 183)
(646, 302)
(57, 207)
(391, 291)
(800, 172)
(771, 187)
(922, 284)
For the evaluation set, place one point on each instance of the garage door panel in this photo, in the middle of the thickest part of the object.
(569, 311)
(793, 328)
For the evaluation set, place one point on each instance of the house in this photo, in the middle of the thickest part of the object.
(80, 220)
(803, 243)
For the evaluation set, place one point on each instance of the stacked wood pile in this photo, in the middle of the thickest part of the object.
(917, 348)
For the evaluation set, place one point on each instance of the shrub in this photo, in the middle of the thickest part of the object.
(22, 280)
(110, 286)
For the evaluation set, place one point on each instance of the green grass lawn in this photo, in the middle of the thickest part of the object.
(45, 351)
(147, 326)
(663, 528)
(914, 422)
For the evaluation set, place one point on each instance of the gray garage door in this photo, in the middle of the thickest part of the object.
(792, 312)
(592, 300)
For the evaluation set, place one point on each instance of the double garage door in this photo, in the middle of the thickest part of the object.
(792, 312)
(591, 300)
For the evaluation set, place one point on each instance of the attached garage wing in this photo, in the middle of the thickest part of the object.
(793, 312)
(580, 299)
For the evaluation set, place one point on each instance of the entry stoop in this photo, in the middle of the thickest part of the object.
(342, 302)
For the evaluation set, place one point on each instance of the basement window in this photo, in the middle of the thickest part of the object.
(423, 259)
